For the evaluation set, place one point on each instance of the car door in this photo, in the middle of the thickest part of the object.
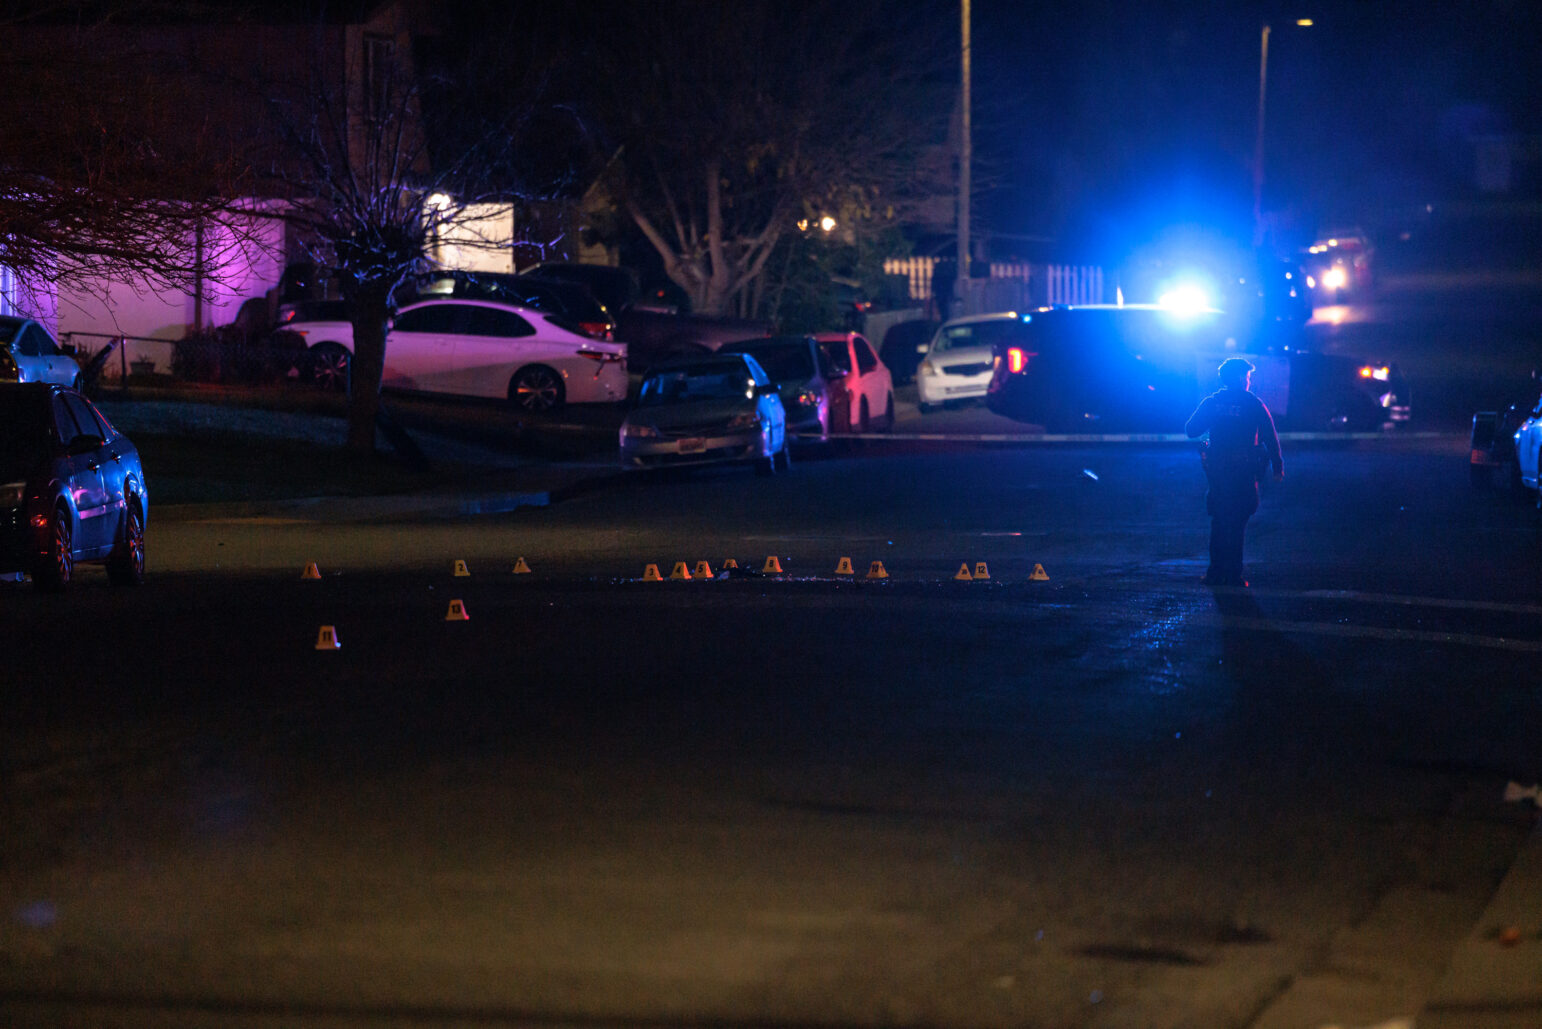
(420, 350)
(494, 344)
(112, 467)
(57, 366)
(874, 380)
(31, 350)
(82, 472)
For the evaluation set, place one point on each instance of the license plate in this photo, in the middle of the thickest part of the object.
(692, 446)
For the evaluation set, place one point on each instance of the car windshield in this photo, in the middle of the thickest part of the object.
(837, 358)
(977, 334)
(720, 381)
(784, 362)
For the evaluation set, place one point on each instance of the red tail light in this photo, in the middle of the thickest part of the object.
(1016, 360)
(599, 357)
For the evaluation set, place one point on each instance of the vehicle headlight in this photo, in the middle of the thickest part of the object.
(1381, 374)
(925, 368)
(638, 431)
(12, 494)
(1335, 278)
(744, 421)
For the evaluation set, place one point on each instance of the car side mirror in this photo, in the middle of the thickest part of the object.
(85, 443)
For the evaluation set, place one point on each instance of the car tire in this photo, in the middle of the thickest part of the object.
(331, 367)
(126, 566)
(887, 423)
(864, 420)
(56, 567)
(537, 389)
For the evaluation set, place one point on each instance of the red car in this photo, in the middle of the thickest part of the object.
(863, 381)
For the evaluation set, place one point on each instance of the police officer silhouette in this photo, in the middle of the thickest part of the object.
(1242, 445)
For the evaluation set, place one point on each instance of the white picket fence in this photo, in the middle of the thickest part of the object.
(1009, 286)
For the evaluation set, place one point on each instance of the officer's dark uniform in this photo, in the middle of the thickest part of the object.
(1238, 423)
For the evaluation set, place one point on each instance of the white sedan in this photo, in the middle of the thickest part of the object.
(483, 348)
(29, 354)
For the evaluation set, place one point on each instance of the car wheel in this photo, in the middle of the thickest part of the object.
(126, 566)
(864, 422)
(536, 389)
(331, 367)
(888, 415)
(57, 565)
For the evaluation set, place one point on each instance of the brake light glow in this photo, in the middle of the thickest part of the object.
(599, 356)
(1379, 374)
(1017, 359)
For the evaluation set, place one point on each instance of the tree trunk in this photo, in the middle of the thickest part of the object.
(369, 310)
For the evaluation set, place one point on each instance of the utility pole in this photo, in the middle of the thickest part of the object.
(1258, 141)
(965, 159)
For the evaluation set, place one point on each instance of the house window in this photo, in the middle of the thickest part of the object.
(379, 66)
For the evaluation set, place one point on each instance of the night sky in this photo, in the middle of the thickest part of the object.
(1107, 111)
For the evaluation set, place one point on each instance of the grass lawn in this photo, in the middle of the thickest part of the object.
(220, 467)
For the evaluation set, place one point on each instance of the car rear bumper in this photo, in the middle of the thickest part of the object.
(19, 542)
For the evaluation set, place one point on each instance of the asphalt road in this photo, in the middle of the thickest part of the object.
(1108, 798)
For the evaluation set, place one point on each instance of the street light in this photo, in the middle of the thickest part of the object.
(1258, 143)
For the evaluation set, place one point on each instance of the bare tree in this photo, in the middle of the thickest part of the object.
(104, 173)
(736, 121)
(369, 191)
